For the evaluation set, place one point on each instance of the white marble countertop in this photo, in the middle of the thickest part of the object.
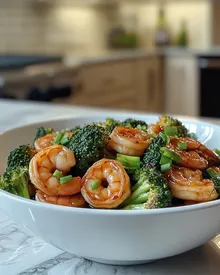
(23, 253)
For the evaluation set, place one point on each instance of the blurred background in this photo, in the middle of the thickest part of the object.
(139, 55)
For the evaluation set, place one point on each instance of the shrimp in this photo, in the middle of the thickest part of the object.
(207, 156)
(154, 129)
(113, 184)
(189, 159)
(45, 162)
(196, 156)
(189, 185)
(44, 142)
(47, 140)
(132, 142)
(73, 201)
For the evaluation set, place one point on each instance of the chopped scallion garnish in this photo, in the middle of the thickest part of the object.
(64, 140)
(165, 167)
(94, 184)
(58, 137)
(66, 179)
(170, 130)
(170, 154)
(165, 160)
(182, 145)
(58, 174)
(141, 128)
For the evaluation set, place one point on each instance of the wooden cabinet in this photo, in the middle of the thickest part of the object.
(181, 85)
(150, 81)
(134, 84)
(107, 85)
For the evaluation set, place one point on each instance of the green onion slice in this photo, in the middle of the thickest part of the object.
(58, 174)
(182, 145)
(165, 167)
(170, 154)
(66, 179)
(58, 137)
(94, 184)
(170, 130)
(64, 140)
(165, 160)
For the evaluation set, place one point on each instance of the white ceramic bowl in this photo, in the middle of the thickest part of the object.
(113, 236)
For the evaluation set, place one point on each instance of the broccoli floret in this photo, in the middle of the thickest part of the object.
(130, 163)
(153, 153)
(16, 182)
(16, 177)
(150, 191)
(20, 157)
(109, 125)
(42, 131)
(75, 129)
(88, 145)
(193, 136)
(165, 121)
(133, 123)
(216, 181)
(215, 177)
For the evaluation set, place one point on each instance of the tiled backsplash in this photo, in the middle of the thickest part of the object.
(196, 13)
(21, 26)
(27, 27)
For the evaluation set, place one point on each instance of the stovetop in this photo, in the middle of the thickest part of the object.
(9, 62)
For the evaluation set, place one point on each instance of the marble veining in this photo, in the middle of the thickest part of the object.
(20, 249)
(195, 262)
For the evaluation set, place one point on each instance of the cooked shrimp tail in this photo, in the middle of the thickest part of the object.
(72, 201)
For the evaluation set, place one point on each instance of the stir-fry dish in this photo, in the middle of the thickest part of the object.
(128, 165)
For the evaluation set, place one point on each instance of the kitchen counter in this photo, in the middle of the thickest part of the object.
(77, 58)
(23, 253)
(74, 60)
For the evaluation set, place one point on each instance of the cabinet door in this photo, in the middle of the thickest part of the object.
(155, 83)
(108, 85)
(149, 79)
(181, 86)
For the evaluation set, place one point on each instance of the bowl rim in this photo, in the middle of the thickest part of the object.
(167, 210)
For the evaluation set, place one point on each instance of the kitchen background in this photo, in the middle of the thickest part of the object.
(152, 56)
